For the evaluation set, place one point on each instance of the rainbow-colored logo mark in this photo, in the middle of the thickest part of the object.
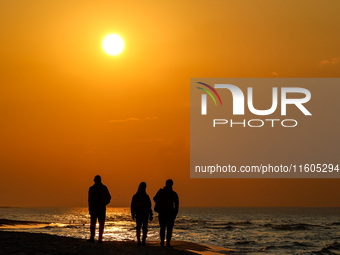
(209, 92)
(204, 97)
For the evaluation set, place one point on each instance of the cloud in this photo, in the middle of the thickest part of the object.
(332, 61)
(129, 119)
(324, 62)
(154, 140)
(132, 119)
(274, 73)
(335, 61)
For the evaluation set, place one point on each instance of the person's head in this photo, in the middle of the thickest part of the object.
(97, 179)
(142, 187)
(169, 183)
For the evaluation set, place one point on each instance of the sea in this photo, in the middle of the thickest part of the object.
(245, 230)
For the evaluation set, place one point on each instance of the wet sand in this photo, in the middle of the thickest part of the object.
(32, 243)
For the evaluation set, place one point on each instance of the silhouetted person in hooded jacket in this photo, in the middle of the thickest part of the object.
(99, 197)
(141, 211)
(167, 203)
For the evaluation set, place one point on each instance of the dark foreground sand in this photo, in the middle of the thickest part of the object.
(39, 244)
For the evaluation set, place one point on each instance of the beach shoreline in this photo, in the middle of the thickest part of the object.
(12, 242)
(245, 230)
(6, 222)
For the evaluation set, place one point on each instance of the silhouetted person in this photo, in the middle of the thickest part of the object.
(99, 197)
(141, 211)
(167, 207)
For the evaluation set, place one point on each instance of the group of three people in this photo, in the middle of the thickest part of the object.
(166, 204)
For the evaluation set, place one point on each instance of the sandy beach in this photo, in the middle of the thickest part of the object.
(13, 242)
(31, 243)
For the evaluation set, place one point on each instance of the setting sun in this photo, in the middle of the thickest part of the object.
(113, 44)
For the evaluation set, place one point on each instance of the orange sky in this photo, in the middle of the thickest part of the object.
(69, 111)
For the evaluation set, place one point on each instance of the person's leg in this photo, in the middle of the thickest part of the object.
(138, 227)
(101, 219)
(93, 226)
(170, 226)
(145, 228)
(162, 224)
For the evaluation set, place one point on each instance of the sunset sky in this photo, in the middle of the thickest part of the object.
(70, 111)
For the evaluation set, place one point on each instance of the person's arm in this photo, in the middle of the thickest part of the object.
(156, 197)
(176, 204)
(133, 208)
(108, 196)
(89, 200)
(150, 209)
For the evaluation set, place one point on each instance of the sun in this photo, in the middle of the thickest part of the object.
(113, 44)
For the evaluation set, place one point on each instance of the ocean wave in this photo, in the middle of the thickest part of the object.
(333, 224)
(191, 221)
(219, 227)
(245, 242)
(292, 246)
(239, 223)
(242, 250)
(60, 225)
(298, 244)
(293, 226)
(230, 223)
(186, 227)
(332, 248)
(270, 247)
(187, 223)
